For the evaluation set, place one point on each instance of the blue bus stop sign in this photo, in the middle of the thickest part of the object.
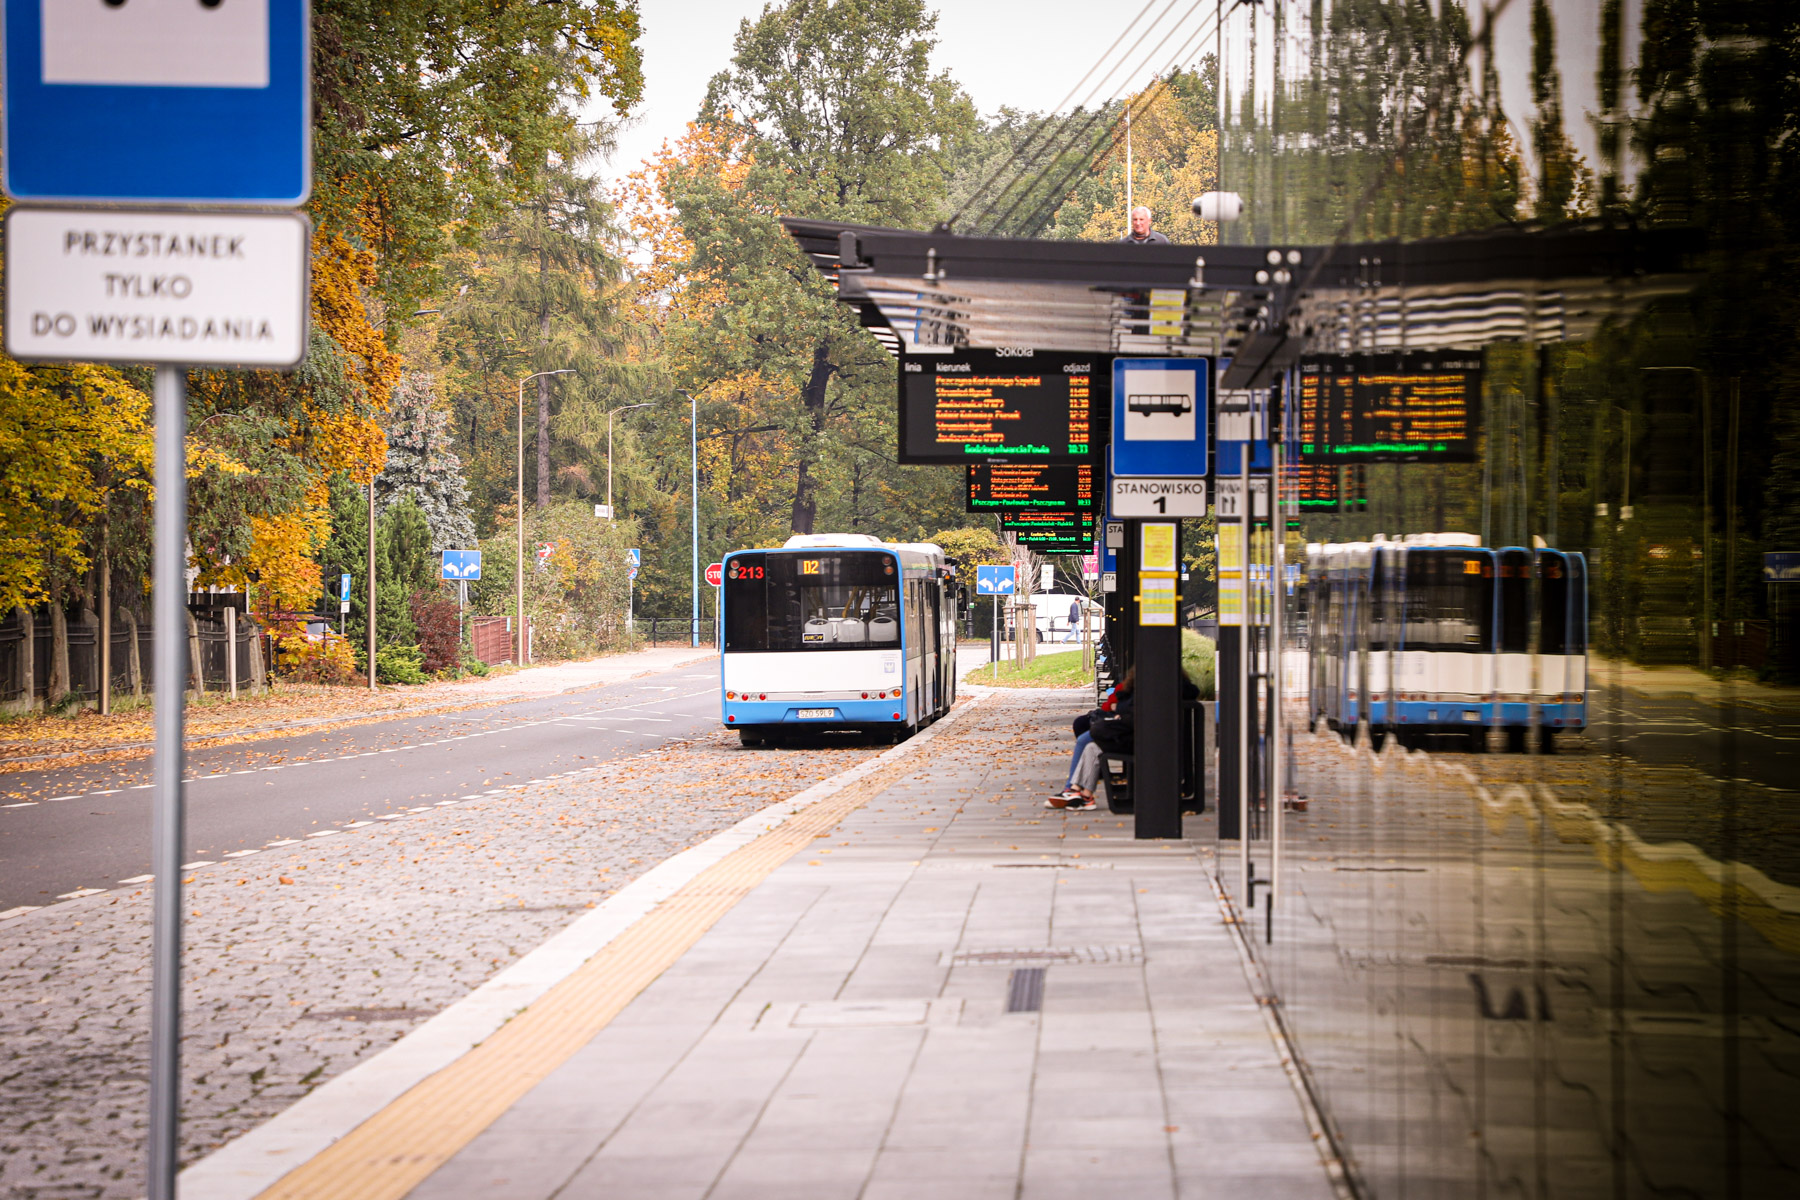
(1161, 414)
(994, 581)
(182, 103)
(1782, 566)
(462, 564)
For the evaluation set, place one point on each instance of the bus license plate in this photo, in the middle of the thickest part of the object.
(827, 713)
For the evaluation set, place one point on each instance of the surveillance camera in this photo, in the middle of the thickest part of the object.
(1218, 206)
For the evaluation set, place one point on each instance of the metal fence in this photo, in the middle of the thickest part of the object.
(676, 631)
(212, 671)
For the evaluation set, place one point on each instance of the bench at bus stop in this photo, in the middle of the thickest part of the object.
(1198, 733)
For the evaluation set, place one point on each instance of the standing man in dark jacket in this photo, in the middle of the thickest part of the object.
(1141, 234)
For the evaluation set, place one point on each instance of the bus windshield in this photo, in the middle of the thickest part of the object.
(829, 600)
(1449, 600)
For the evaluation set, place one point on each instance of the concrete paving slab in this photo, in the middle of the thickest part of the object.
(907, 1077)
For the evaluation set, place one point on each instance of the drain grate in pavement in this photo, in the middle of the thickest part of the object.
(1130, 955)
(1025, 991)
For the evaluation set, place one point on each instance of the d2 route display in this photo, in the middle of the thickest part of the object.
(1002, 405)
(1401, 407)
(1006, 486)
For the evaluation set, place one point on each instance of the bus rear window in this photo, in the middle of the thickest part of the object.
(834, 600)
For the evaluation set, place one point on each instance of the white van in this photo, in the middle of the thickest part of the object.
(1058, 616)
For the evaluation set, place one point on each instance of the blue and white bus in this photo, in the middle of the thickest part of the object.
(1439, 636)
(836, 631)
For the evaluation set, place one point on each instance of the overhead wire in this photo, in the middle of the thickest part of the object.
(1036, 141)
(1021, 154)
(1044, 121)
(1054, 195)
(1079, 129)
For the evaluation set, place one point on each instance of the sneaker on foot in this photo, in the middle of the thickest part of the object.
(1057, 801)
(1080, 804)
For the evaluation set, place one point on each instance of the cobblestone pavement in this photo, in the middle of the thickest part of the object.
(319, 956)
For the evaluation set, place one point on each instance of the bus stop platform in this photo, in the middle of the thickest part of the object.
(913, 980)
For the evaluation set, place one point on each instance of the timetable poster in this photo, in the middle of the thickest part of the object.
(1003, 405)
(1422, 405)
(1004, 486)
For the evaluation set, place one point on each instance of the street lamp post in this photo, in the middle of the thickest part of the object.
(519, 560)
(609, 417)
(694, 522)
(423, 312)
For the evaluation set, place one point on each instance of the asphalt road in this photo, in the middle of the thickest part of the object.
(1744, 742)
(89, 827)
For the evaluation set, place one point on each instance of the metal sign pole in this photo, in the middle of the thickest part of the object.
(1246, 637)
(168, 833)
(1278, 584)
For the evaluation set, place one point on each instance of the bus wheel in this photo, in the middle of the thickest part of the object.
(1377, 739)
(753, 737)
(1546, 740)
(1516, 739)
(1477, 740)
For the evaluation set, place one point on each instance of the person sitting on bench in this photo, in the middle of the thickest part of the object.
(1114, 720)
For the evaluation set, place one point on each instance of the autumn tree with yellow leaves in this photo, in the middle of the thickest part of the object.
(432, 120)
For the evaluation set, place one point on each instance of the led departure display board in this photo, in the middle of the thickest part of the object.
(1406, 407)
(1007, 486)
(1002, 405)
(1319, 489)
(1052, 531)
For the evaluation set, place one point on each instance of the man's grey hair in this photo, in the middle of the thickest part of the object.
(1141, 209)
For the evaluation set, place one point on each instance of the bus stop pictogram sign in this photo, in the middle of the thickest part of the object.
(158, 101)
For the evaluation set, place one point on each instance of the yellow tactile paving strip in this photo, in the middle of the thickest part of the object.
(394, 1151)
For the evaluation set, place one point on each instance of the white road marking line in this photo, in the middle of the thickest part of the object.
(251, 770)
(27, 804)
(391, 817)
(466, 797)
(447, 802)
(19, 911)
(321, 833)
(107, 792)
(283, 841)
(143, 787)
(138, 879)
(198, 862)
(241, 853)
(54, 799)
(78, 893)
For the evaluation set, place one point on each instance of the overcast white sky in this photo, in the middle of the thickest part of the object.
(1029, 53)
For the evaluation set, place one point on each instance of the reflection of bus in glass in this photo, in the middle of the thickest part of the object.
(836, 631)
(1440, 636)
